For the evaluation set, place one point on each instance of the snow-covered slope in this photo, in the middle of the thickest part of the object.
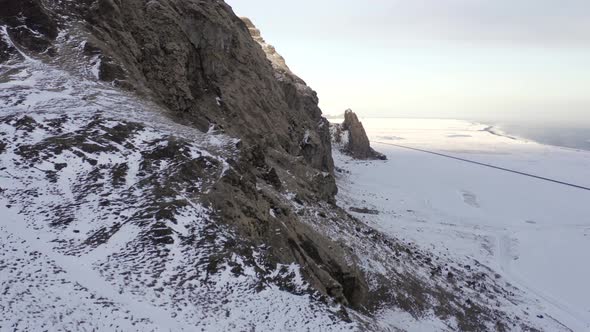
(118, 214)
(104, 227)
(533, 233)
(102, 220)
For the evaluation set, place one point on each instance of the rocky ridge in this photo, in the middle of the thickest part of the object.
(277, 60)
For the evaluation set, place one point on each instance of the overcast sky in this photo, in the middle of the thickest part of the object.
(493, 60)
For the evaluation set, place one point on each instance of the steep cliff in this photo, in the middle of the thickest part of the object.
(198, 63)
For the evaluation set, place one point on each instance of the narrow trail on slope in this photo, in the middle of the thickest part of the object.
(488, 165)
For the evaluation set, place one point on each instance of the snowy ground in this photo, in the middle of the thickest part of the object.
(89, 240)
(534, 233)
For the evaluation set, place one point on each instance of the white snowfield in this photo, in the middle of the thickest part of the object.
(533, 232)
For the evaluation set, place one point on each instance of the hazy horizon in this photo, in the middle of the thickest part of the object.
(467, 59)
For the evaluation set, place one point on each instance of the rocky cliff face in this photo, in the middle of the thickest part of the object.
(315, 144)
(199, 60)
(199, 63)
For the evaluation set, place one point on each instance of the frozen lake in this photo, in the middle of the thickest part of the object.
(533, 232)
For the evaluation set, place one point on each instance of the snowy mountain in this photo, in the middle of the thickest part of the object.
(158, 174)
(104, 224)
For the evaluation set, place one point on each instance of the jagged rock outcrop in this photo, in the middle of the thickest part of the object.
(352, 138)
(314, 144)
(277, 60)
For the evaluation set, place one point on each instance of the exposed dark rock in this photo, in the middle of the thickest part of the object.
(364, 210)
(357, 143)
(199, 60)
(273, 178)
(315, 143)
(28, 24)
(5, 50)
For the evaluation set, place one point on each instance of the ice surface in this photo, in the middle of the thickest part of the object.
(533, 233)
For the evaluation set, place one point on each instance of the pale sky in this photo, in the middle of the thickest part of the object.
(487, 60)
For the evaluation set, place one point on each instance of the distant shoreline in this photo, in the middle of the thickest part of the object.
(565, 137)
(571, 138)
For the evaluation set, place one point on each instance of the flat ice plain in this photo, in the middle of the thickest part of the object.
(534, 233)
